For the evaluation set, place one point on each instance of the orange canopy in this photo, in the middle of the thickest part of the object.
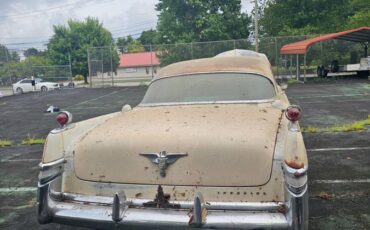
(361, 34)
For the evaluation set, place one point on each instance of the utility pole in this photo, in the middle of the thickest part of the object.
(256, 23)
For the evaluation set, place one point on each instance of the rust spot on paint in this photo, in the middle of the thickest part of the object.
(161, 200)
(216, 106)
(137, 195)
(282, 208)
(294, 164)
(146, 168)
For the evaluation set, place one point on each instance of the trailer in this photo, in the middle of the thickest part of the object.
(359, 35)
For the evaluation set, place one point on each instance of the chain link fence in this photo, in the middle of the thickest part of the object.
(143, 63)
(15, 67)
(122, 66)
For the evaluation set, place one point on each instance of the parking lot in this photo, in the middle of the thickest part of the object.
(339, 173)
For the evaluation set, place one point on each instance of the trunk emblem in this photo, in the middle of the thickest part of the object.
(163, 159)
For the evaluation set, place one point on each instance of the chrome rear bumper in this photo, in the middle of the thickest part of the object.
(97, 213)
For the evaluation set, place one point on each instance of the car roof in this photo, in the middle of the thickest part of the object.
(257, 64)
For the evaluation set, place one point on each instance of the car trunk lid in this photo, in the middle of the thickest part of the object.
(215, 145)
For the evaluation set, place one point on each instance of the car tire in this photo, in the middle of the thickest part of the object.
(19, 90)
(44, 88)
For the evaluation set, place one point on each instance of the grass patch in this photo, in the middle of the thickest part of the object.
(5, 143)
(353, 126)
(292, 81)
(142, 84)
(310, 129)
(33, 141)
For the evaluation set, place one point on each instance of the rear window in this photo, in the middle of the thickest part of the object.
(210, 88)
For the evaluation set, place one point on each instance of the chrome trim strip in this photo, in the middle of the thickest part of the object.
(46, 166)
(210, 72)
(64, 128)
(297, 205)
(207, 102)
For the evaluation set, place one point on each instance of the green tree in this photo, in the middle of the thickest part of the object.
(15, 56)
(148, 37)
(123, 43)
(200, 20)
(135, 47)
(4, 54)
(361, 16)
(129, 45)
(31, 52)
(291, 17)
(75, 39)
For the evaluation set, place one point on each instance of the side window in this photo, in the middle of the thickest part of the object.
(26, 81)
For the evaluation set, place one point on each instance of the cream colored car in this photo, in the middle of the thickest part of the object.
(213, 144)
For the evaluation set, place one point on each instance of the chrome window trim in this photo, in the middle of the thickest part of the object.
(212, 102)
(207, 102)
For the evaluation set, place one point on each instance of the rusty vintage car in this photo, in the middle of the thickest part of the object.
(213, 144)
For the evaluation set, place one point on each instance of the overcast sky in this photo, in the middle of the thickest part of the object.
(28, 23)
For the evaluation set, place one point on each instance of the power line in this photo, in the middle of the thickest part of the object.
(35, 12)
(134, 30)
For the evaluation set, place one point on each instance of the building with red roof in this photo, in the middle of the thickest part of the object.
(144, 64)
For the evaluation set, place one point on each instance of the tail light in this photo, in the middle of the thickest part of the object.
(293, 113)
(64, 118)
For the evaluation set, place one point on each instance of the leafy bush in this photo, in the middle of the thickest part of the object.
(78, 77)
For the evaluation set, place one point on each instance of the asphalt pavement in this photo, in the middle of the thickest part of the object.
(339, 163)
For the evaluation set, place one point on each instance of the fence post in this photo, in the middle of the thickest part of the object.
(111, 63)
(151, 58)
(191, 50)
(89, 66)
(102, 65)
(70, 66)
(297, 67)
(276, 57)
(291, 66)
(304, 61)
